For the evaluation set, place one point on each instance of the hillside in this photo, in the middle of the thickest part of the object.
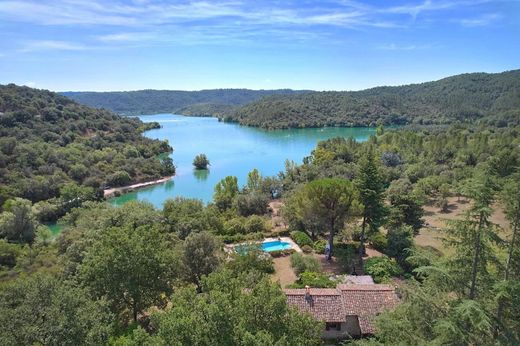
(495, 98)
(48, 141)
(205, 102)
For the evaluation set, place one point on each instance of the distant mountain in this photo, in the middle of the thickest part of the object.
(491, 98)
(215, 102)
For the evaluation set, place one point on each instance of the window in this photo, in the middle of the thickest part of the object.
(332, 325)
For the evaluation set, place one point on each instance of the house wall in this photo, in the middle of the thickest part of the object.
(335, 334)
(349, 328)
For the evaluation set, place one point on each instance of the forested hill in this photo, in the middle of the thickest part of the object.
(204, 102)
(48, 141)
(494, 98)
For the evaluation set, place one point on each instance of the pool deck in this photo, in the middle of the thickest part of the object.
(231, 247)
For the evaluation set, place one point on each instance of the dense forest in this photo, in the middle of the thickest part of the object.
(197, 103)
(135, 275)
(57, 151)
(489, 98)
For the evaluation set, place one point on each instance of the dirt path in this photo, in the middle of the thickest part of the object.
(112, 191)
(284, 273)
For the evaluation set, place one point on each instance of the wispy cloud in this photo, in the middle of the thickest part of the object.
(398, 47)
(483, 20)
(216, 21)
(31, 46)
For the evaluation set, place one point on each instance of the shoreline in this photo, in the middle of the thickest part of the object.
(109, 193)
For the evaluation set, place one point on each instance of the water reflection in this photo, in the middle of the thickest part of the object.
(201, 174)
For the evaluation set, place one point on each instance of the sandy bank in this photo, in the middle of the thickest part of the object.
(108, 193)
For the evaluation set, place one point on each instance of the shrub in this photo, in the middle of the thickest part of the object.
(382, 268)
(313, 279)
(319, 246)
(307, 249)
(252, 204)
(235, 226)
(119, 178)
(301, 238)
(256, 224)
(378, 241)
(252, 260)
(302, 263)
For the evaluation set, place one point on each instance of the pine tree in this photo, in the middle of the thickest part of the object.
(371, 195)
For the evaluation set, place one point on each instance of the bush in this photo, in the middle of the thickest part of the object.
(252, 204)
(319, 246)
(313, 279)
(382, 268)
(256, 224)
(235, 226)
(252, 260)
(119, 178)
(379, 241)
(302, 263)
(307, 249)
(301, 238)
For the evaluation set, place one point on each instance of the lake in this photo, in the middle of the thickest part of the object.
(232, 149)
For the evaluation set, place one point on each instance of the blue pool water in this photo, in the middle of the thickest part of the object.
(276, 245)
(268, 246)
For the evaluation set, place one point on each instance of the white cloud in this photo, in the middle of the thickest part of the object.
(127, 37)
(31, 46)
(30, 84)
(397, 47)
(139, 22)
(480, 21)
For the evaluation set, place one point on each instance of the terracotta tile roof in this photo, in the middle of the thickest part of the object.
(325, 304)
(365, 301)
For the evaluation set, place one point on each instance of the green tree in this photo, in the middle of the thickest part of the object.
(185, 216)
(235, 310)
(254, 181)
(473, 237)
(400, 241)
(201, 161)
(17, 222)
(508, 311)
(329, 202)
(405, 206)
(131, 267)
(200, 256)
(371, 195)
(43, 310)
(225, 192)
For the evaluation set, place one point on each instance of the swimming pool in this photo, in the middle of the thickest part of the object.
(275, 245)
(266, 246)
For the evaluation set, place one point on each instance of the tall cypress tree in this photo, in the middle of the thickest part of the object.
(371, 195)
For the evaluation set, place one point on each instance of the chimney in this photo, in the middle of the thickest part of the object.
(308, 297)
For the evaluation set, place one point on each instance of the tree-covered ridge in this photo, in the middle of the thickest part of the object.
(48, 141)
(214, 102)
(494, 98)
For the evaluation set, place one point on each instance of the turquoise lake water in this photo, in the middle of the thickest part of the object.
(232, 149)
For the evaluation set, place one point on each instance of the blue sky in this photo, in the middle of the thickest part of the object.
(191, 45)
